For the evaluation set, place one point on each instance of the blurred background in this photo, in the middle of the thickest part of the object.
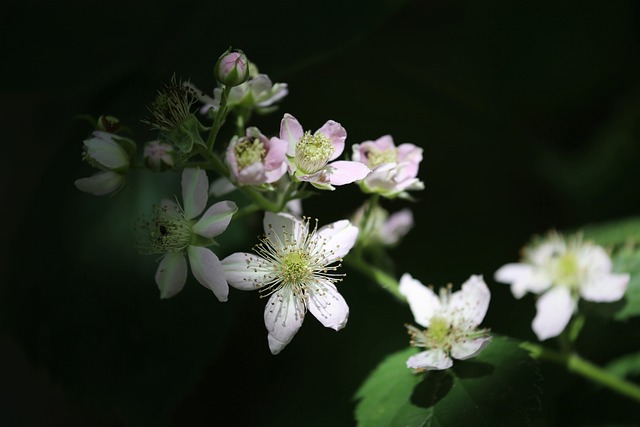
(528, 114)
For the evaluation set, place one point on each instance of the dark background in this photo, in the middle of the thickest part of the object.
(528, 114)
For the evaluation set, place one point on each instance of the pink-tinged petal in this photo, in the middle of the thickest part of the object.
(517, 275)
(208, 270)
(345, 172)
(396, 227)
(283, 317)
(291, 131)
(469, 348)
(106, 151)
(337, 134)
(423, 302)
(283, 229)
(195, 188)
(276, 153)
(327, 305)
(216, 219)
(272, 176)
(469, 305)
(246, 271)
(554, 310)
(336, 240)
(100, 183)
(385, 142)
(607, 288)
(171, 274)
(409, 153)
(253, 174)
(432, 360)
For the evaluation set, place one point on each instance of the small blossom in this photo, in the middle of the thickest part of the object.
(105, 152)
(158, 156)
(562, 271)
(311, 156)
(296, 269)
(232, 68)
(394, 169)
(255, 160)
(174, 233)
(451, 320)
(258, 93)
(381, 227)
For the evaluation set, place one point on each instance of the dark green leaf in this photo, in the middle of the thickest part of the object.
(497, 388)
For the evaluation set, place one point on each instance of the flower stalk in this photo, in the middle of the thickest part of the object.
(576, 364)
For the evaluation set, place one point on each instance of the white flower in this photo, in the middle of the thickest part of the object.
(174, 232)
(295, 268)
(104, 151)
(451, 321)
(562, 271)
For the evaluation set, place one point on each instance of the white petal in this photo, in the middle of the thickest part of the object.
(554, 310)
(337, 239)
(221, 186)
(396, 227)
(194, 191)
(435, 359)
(469, 348)
(216, 219)
(245, 271)
(523, 278)
(606, 288)
(468, 306)
(100, 183)
(171, 274)
(283, 228)
(207, 269)
(283, 316)
(106, 151)
(327, 305)
(423, 301)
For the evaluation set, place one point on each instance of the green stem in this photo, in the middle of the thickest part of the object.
(386, 281)
(220, 117)
(584, 368)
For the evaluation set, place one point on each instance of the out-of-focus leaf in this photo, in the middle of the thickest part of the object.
(625, 366)
(497, 388)
(614, 232)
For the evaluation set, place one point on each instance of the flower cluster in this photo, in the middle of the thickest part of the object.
(297, 264)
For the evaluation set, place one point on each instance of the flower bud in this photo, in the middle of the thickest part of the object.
(109, 124)
(232, 68)
(158, 156)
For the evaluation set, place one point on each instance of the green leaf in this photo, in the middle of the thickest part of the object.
(625, 366)
(499, 387)
(627, 260)
(614, 232)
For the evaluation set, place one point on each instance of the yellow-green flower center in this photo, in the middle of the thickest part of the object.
(313, 152)
(567, 270)
(249, 151)
(377, 157)
(296, 267)
(438, 330)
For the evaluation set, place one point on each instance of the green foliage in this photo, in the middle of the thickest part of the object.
(614, 232)
(627, 260)
(497, 388)
(625, 366)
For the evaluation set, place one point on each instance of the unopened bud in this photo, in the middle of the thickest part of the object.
(232, 68)
(108, 124)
